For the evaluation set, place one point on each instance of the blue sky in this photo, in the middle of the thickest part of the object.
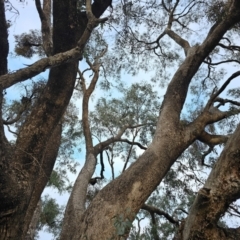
(26, 20)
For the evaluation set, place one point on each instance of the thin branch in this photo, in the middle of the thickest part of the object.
(129, 152)
(160, 213)
(214, 96)
(222, 62)
(210, 149)
(45, 16)
(235, 210)
(9, 129)
(230, 47)
(133, 143)
(222, 102)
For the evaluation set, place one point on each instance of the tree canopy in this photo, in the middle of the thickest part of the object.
(148, 90)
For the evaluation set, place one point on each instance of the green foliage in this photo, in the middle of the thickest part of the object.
(51, 216)
(28, 44)
(122, 224)
(59, 181)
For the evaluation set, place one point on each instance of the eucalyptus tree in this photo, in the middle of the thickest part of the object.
(150, 35)
(27, 165)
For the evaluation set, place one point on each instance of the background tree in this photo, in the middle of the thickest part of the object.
(182, 135)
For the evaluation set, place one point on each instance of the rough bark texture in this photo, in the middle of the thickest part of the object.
(126, 194)
(221, 188)
(26, 169)
(33, 225)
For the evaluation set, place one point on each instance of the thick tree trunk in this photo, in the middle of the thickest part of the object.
(220, 190)
(32, 229)
(121, 199)
(20, 202)
(19, 184)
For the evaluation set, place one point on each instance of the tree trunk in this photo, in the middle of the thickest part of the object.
(20, 202)
(22, 176)
(121, 199)
(32, 229)
(220, 190)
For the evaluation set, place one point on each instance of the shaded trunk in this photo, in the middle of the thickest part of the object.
(32, 229)
(25, 172)
(29, 155)
(220, 190)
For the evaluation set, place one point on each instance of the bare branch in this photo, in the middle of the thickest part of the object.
(230, 47)
(100, 146)
(160, 213)
(41, 65)
(212, 139)
(213, 97)
(45, 17)
(210, 149)
(222, 62)
(133, 143)
(222, 102)
(180, 41)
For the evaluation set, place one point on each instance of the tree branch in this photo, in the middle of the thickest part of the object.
(222, 102)
(213, 97)
(152, 209)
(45, 17)
(133, 143)
(220, 190)
(212, 139)
(10, 79)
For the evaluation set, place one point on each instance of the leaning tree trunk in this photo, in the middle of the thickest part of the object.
(220, 190)
(121, 199)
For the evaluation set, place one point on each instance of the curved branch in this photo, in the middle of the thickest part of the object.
(230, 47)
(152, 209)
(180, 41)
(222, 62)
(222, 88)
(133, 143)
(210, 149)
(212, 139)
(39, 66)
(222, 101)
